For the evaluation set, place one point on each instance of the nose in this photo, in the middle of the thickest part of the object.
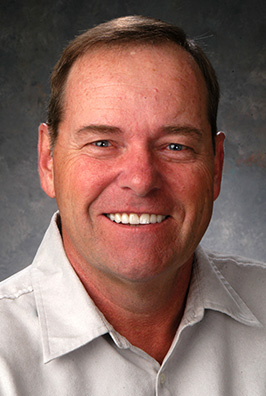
(140, 172)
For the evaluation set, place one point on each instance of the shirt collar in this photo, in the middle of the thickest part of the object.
(67, 315)
(69, 319)
(210, 290)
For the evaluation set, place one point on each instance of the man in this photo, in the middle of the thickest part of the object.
(120, 299)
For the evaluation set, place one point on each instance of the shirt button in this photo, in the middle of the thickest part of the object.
(162, 378)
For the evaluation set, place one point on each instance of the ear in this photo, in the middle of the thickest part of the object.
(218, 163)
(46, 165)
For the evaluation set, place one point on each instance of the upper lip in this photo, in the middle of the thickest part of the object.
(162, 210)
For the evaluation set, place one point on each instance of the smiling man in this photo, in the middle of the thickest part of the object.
(120, 298)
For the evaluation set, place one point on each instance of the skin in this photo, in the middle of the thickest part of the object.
(124, 108)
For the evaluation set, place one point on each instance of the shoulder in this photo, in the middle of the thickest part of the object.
(20, 346)
(237, 267)
(246, 276)
(16, 285)
(17, 310)
(16, 296)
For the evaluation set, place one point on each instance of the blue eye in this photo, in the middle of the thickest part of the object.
(175, 147)
(102, 143)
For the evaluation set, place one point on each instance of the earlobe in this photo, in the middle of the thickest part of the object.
(46, 168)
(218, 163)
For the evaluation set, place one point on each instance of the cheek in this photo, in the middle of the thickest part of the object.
(193, 183)
(196, 199)
(79, 181)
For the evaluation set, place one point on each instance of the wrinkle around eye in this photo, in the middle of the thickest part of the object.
(100, 149)
(178, 153)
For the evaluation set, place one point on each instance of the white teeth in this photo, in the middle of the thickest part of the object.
(135, 219)
(153, 219)
(124, 218)
(144, 219)
(118, 218)
(159, 218)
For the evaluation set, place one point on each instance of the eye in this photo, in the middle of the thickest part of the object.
(102, 143)
(176, 147)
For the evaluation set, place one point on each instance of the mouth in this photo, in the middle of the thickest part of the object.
(135, 219)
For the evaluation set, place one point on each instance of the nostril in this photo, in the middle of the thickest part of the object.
(140, 178)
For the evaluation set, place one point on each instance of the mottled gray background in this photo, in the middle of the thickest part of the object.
(233, 33)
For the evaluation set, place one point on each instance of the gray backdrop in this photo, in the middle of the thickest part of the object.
(33, 33)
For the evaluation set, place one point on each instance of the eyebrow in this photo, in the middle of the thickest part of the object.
(166, 130)
(94, 128)
(182, 130)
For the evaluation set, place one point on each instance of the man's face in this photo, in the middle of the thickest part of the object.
(134, 145)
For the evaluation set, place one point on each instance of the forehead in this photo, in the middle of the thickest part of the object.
(107, 61)
(140, 76)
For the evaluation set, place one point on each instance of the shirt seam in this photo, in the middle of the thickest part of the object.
(19, 293)
(234, 260)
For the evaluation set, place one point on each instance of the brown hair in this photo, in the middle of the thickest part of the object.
(122, 31)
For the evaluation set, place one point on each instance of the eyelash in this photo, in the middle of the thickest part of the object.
(174, 151)
(102, 143)
(176, 147)
(172, 146)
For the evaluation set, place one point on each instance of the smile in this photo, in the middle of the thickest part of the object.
(135, 219)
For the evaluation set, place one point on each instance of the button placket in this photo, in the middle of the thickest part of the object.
(162, 378)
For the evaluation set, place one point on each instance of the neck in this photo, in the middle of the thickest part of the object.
(138, 310)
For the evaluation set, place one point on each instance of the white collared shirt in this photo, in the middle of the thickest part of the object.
(54, 341)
